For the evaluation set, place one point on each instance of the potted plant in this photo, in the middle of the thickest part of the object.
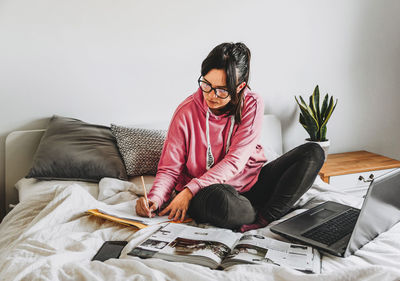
(314, 118)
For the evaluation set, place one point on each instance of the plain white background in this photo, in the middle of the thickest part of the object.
(131, 61)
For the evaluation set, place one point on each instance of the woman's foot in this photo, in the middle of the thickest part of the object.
(260, 222)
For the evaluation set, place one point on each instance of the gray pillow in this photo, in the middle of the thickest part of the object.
(71, 149)
(140, 148)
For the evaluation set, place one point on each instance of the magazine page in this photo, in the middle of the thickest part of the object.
(177, 242)
(254, 248)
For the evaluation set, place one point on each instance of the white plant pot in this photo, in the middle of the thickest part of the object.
(324, 144)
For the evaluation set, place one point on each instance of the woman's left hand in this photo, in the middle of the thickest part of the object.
(179, 205)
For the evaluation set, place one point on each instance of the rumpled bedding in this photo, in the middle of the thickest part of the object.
(48, 236)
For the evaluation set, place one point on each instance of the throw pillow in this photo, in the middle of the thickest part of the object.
(71, 149)
(140, 148)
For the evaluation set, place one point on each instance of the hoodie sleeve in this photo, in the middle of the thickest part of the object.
(172, 160)
(243, 145)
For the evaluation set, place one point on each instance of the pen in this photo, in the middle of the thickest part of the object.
(145, 192)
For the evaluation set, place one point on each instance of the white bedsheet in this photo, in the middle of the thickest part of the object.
(49, 237)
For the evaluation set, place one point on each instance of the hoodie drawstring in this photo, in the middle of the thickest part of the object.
(209, 155)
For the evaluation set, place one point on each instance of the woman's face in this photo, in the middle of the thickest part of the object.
(217, 79)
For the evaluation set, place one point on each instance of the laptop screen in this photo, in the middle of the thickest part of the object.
(380, 211)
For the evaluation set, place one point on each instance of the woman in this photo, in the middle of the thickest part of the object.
(212, 159)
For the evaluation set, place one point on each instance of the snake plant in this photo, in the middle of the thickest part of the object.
(313, 118)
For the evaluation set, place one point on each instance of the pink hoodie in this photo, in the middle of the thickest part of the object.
(184, 156)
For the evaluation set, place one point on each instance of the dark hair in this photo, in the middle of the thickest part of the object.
(234, 58)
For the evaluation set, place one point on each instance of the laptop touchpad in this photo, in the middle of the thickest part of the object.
(311, 219)
(321, 214)
(316, 217)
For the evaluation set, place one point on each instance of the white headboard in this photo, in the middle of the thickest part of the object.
(21, 147)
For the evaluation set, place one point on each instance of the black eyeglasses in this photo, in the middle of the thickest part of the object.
(207, 88)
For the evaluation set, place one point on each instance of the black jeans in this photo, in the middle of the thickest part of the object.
(280, 184)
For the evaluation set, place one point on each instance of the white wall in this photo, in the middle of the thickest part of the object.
(126, 61)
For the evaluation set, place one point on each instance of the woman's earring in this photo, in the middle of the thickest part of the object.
(241, 86)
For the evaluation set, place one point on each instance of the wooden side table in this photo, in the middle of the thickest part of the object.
(353, 171)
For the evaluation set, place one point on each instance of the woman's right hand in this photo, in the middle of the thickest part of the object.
(143, 210)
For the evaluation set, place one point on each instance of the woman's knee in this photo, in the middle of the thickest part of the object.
(207, 202)
(216, 193)
(313, 151)
(221, 205)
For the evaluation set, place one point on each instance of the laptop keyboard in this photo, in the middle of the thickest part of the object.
(335, 229)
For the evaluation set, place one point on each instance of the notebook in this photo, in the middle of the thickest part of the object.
(124, 213)
(340, 229)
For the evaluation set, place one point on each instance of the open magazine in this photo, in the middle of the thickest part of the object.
(223, 248)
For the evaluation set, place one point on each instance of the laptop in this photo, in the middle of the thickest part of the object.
(340, 229)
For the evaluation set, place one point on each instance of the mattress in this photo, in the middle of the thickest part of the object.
(48, 236)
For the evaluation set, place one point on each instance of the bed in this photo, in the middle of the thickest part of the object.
(48, 236)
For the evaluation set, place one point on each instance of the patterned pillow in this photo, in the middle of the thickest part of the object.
(140, 148)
